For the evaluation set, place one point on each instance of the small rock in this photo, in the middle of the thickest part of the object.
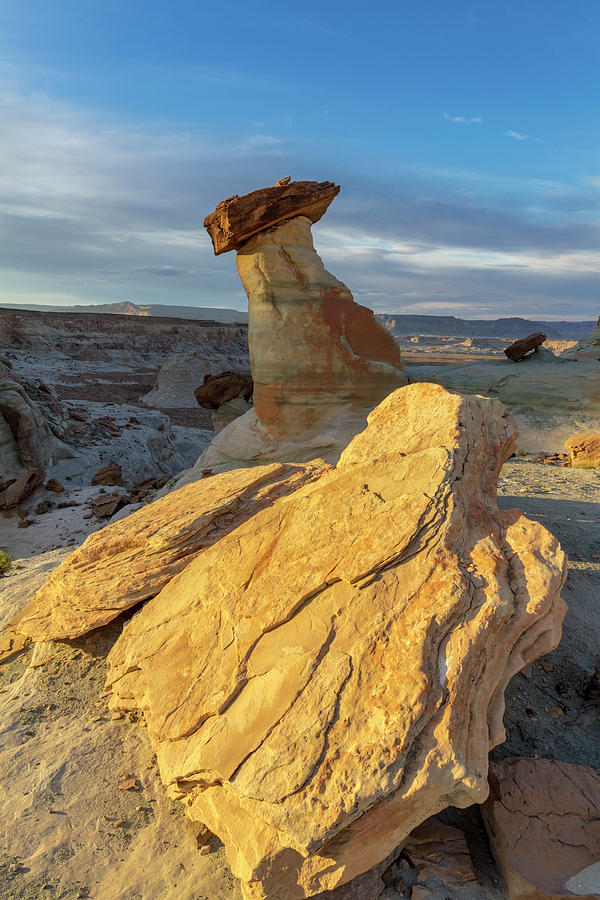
(108, 476)
(107, 505)
(130, 784)
(42, 507)
(22, 488)
(54, 485)
(420, 893)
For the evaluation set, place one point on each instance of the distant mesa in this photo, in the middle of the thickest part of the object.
(237, 219)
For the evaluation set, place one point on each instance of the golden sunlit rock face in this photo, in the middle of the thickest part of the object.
(330, 673)
(132, 559)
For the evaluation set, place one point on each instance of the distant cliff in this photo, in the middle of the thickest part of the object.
(126, 308)
(513, 328)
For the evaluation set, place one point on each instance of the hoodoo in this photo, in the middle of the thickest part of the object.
(320, 361)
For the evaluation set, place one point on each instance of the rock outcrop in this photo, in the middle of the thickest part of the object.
(312, 714)
(109, 475)
(320, 362)
(237, 219)
(525, 346)
(543, 821)
(183, 372)
(26, 441)
(551, 397)
(218, 389)
(133, 558)
(584, 451)
(588, 348)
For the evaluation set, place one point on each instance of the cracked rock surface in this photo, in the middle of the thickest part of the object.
(330, 673)
(543, 821)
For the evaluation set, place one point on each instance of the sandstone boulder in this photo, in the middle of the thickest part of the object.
(330, 674)
(133, 558)
(543, 821)
(222, 387)
(22, 488)
(183, 372)
(106, 505)
(237, 219)
(584, 451)
(320, 362)
(524, 347)
(551, 397)
(109, 475)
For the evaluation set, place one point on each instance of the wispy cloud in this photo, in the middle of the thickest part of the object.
(591, 180)
(260, 143)
(463, 120)
(93, 211)
(519, 136)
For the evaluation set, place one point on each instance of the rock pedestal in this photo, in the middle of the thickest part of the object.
(313, 350)
(320, 362)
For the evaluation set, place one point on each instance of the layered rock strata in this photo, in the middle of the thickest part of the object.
(320, 362)
(237, 219)
(584, 451)
(329, 674)
(134, 558)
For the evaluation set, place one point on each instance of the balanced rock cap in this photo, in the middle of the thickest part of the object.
(237, 219)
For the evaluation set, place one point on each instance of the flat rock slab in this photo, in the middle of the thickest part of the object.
(330, 674)
(237, 219)
(543, 821)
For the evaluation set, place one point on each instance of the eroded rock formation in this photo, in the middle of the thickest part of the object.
(26, 441)
(132, 559)
(551, 397)
(584, 451)
(329, 674)
(588, 348)
(320, 362)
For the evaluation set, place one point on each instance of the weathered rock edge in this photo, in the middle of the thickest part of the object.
(330, 674)
(133, 559)
(237, 219)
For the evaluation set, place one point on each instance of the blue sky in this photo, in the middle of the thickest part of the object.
(465, 137)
